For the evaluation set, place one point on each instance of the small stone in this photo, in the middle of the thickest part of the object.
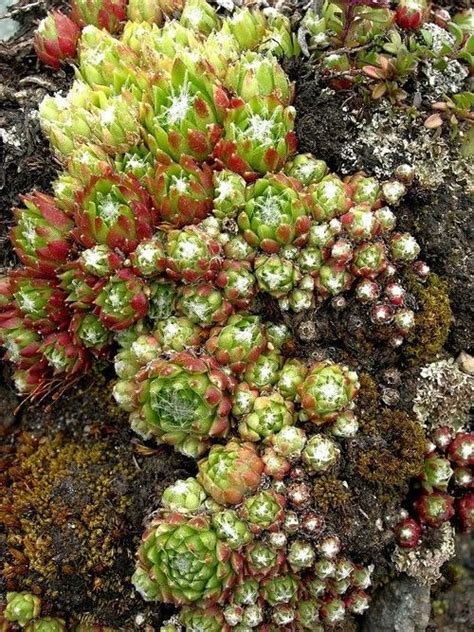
(466, 362)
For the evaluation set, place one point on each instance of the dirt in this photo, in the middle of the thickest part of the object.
(444, 225)
(25, 159)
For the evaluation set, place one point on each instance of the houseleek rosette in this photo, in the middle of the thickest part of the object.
(328, 390)
(182, 192)
(182, 113)
(182, 561)
(258, 137)
(275, 214)
(41, 235)
(230, 472)
(183, 401)
(239, 342)
(114, 210)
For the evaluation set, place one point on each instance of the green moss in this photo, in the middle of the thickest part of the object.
(432, 320)
(396, 452)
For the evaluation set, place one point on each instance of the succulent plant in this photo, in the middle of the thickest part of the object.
(410, 14)
(330, 198)
(183, 193)
(281, 589)
(264, 371)
(257, 75)
(41, 235)
(258, 138)
(183, 496)
(144, 11)
(199, 15)
(275, 214)
(465, 512)
(435, 508)
(55, 39)
(239, 342)
(182, 114)
(184, 562)
(230, 472)
(268, 415)
(183, 401)
(105, 14)
(122, 301)
(306, 169)
(232, 529)
(275, 276)
(247, 27)
(237, 283)
(47, 624)
(408, 533)
(22, 607)
(63, 355)
(203, 304)
(328, 390)
(202, 619)
(192, 255)
(263, 510)
(437, 473)
(320, 453)
(40, 301)
(114, 210)
(461, 449)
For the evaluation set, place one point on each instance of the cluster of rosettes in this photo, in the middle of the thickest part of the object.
(239, 380)
(387, 46)
(24, 609)
(445, 488)
(243, 546)
(179, 203)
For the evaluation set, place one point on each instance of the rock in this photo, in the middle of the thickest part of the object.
(401, 606)
(466, 362)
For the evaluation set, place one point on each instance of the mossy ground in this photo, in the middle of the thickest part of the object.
(76, 486)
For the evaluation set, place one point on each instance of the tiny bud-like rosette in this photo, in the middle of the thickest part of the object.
(410, 14)
(22, 607)
(55, 39)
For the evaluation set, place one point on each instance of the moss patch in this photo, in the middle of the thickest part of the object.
(432, 320)
(64, 511)
(331, 494)
(394, 452)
